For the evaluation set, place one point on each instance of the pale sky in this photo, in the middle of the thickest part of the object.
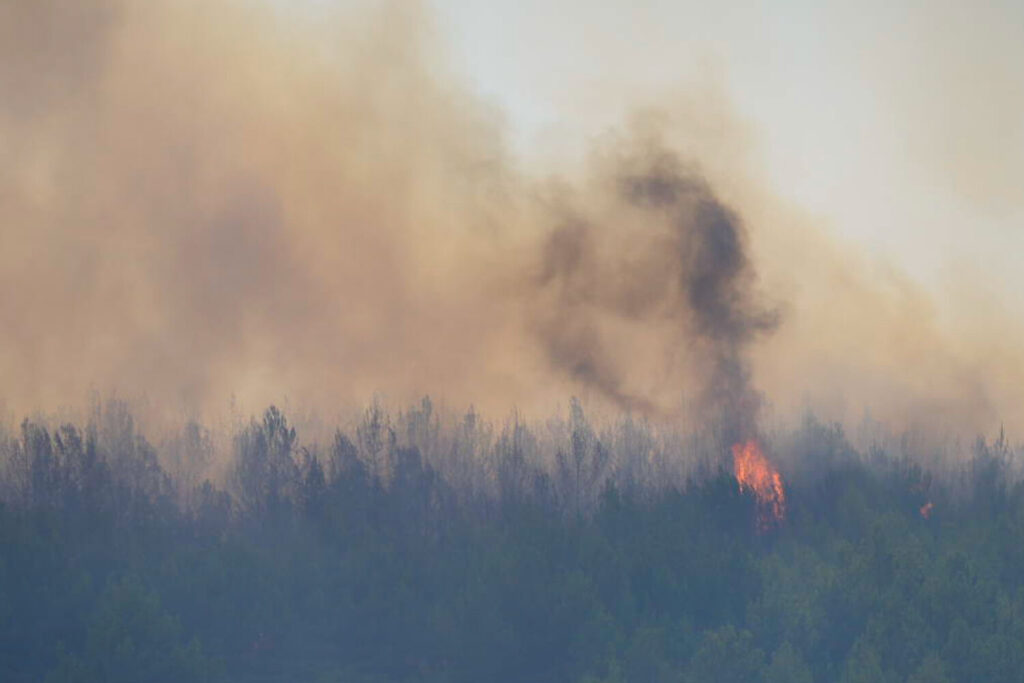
(861, 143)
(900, 124)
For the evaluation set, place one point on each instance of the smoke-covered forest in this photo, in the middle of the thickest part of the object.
(773, 248)
(419, 546)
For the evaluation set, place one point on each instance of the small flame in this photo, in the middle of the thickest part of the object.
(754, 473)
(926, 510)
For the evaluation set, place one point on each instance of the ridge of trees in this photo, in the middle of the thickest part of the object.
(412, 550)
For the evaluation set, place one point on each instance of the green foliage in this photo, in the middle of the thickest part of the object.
(726, 655)
(130, 639)
(932, 670)
(787, 666)
(863, 666)
(387, 557)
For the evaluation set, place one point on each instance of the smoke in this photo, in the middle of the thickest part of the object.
(216, 201)
(211, 200)
(681, 258)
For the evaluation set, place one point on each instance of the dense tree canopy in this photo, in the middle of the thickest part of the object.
(411, 550)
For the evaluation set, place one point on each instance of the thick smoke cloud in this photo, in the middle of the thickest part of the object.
(206, 200)
(202, 202)
(685, 260)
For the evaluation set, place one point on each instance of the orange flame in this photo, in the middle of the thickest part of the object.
(926, 510)
(754, 473)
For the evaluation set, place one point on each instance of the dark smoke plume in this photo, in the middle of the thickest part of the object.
(685, 260)
(238, 203)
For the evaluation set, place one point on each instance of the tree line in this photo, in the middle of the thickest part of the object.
(411, 549)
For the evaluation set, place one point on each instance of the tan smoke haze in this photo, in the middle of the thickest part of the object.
(206, 200)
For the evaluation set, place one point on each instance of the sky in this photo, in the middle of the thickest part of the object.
(899, 125)
(507, 204)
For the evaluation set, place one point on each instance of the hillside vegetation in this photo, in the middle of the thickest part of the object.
(411, 549)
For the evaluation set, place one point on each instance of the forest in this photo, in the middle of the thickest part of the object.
(412, 546)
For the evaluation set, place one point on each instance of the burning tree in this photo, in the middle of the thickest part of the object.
(755, 474)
